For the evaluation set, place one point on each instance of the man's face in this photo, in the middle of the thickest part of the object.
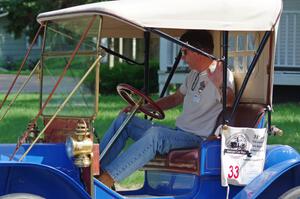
(195, 60)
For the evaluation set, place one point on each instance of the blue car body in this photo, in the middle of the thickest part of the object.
(48, 172)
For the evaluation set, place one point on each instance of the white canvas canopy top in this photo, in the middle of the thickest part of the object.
(120, 17)
(129, 18)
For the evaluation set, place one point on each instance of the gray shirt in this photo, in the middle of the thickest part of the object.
(202, 103)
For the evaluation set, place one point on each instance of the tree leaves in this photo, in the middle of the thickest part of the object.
(22, 13)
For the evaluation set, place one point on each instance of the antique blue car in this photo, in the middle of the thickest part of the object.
(61, 159)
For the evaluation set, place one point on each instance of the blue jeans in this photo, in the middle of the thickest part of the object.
(149, 139)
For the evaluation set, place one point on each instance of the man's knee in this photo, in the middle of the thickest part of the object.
(155, 133)
(157, 138)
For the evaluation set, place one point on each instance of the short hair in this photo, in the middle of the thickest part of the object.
(201, 39)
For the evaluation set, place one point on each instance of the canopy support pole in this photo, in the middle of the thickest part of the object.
(146, 62)
(225, 62)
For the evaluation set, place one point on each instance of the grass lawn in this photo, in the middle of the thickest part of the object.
(285, 116)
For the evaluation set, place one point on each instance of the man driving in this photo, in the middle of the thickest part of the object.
(201, 96)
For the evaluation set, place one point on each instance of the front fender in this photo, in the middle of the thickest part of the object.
(39, 179)
(279, 153)
(274, 181)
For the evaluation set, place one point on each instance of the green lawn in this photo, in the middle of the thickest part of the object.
(285, 116)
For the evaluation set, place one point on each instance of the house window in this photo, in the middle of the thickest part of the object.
(241, 50)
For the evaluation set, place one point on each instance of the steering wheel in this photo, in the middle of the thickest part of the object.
(131, 95)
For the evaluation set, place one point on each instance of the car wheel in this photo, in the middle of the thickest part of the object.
(293, 193)
(21, 196)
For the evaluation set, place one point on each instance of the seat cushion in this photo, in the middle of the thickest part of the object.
(247, 115)
(182, 161)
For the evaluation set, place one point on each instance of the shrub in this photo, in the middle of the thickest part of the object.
(13, 64)
(129, 74)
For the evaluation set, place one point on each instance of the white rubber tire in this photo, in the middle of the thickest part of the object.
(293, 193)
(21, 196)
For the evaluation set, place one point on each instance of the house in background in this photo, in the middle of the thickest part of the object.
(287, 59)
(13, 50)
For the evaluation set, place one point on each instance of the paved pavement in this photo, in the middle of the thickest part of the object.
(33, 86)
(6, 81)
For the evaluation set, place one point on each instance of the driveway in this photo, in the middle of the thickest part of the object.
(32, 86)
(6, 80)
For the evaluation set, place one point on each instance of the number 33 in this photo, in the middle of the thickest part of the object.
(233, 172)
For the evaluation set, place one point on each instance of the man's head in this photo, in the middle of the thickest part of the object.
(202, 40)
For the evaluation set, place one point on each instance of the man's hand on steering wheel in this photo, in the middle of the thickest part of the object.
(137, 99)
(129, 108)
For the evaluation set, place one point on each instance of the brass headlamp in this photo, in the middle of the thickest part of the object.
(80, 146)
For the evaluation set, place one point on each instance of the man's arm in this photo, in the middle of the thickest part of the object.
(216, 77)
(164, 103)
(170, 101)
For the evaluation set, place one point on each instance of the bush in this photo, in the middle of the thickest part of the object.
(13, 64)
(129, 74)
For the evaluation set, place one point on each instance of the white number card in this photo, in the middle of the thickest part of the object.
(243, 152)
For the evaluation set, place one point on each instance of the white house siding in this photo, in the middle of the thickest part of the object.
(11, 48)
(287, 62)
